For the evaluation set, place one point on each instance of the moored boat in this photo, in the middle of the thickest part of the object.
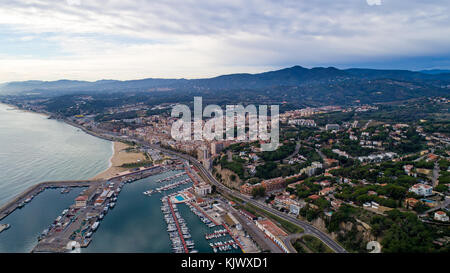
(4, 227)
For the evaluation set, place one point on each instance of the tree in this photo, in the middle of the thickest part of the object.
(441, 188)
(259, 191)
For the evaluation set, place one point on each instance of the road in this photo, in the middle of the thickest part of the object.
(435, 177)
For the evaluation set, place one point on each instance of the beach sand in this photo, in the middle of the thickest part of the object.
(120, 157)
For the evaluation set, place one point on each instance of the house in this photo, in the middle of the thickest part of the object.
(432, 157)
(411, 202)
(440, 216)
(408, 169)
(295, 207)
(422, 189)
(336, 204)
(247, 188)
(326, 191)
(314, 197)
(81, 201)
(423, 171)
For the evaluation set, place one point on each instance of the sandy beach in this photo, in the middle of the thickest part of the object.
(120, 157)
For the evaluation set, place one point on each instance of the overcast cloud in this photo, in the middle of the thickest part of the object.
(129, 39)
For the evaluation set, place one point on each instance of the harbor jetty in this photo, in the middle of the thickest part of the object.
(75, 226)
(26, 196)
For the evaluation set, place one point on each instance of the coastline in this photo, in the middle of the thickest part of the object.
(120, 156)
(16, 108)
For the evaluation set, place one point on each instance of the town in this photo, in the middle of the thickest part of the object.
(339, 169)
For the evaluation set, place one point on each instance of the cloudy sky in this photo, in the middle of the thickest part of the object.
(132, 39)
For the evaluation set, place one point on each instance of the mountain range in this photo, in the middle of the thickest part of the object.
(295, 81)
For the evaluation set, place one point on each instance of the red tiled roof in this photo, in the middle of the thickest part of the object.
(314, 197)
(81, 198)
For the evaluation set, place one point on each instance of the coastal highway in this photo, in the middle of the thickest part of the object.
(309, 229)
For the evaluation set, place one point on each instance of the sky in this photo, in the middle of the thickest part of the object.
(135, 39)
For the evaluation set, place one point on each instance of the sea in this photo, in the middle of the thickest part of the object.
(35, 149)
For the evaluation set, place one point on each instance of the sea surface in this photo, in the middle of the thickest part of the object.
(35, 149)
(28, 222)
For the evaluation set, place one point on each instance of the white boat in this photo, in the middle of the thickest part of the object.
(4, 227)
(148, 193)
(95, 226)
(112, 205)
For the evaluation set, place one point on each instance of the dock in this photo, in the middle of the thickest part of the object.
(34, 190)
(224, 225)
(178, 227)
(75, 226)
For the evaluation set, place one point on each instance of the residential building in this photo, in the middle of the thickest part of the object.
(273, 232)
(203, 189)
(330, 127)
(81, 201)
(441, 216)
(422, 189)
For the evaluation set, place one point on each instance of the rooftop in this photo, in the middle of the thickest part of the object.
(272, 228)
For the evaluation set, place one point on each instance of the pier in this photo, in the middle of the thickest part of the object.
(178, 226)
(205, 214)
(224, 225)
(234, 238)
(224, 244)
(34, 190)
(78, 222)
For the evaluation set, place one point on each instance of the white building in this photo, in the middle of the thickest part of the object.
(422, 189)
(329, 127)
(440, 216)
(203, 189)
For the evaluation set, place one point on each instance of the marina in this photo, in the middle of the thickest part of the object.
(173, 185)
(116, 207)
(79, 222)
(170, 177)
(179, 244)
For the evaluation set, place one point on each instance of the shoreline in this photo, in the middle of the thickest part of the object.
(16, 108)
(120, 156)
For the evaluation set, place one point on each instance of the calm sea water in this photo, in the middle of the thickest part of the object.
(34, 149)
(28, 222)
